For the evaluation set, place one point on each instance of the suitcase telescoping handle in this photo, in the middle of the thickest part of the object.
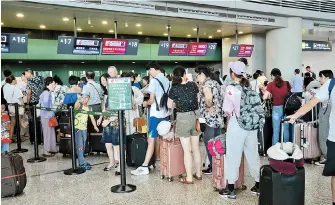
(298, 121)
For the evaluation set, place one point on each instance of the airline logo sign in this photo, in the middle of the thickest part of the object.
(167, 48)
(316, 46)
(119, 46)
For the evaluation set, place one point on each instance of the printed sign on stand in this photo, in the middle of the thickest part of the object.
(119, 94)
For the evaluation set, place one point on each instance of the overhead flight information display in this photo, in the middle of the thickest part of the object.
(14, 43)
(167, 48)
(241, 50)
(78, 45)
(119, 46)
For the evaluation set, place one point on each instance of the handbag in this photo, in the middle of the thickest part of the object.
(53, 122)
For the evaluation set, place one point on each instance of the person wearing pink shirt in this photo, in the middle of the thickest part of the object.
(238, 140)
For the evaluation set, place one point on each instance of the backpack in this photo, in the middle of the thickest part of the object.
(165, 97)
(252, 115)
(292, 102)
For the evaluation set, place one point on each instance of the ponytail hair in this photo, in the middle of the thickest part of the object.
(278, 79)
(178, 72)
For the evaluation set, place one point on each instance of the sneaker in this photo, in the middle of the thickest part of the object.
(207, 171)
(226, 194)
(87, 166)
(254, 190)
(321, 163)
(140, 171)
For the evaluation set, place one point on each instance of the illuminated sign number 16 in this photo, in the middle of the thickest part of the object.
(19, 39)
(65, 40)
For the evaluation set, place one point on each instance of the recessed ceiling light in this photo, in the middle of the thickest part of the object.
(195, 29)
(240, 32)
(188, 35)
(133, 62)
(1, 23)
(79, 29)
(82, 62)
(91, 26)
(175, 62)
(167, 27)
(20, 15)
(210, 36)
(138, 25)
(104, 22)
(111, 31)
(219, 31)
(165, 34)
(65, 19)
(42, 26)
(140, 32)
(126, 25)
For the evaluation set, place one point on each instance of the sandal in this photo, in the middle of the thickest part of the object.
(184, 181)
(196, 177)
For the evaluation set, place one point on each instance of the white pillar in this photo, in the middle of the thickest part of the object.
(283, 48)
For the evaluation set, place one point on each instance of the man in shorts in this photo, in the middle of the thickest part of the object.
(326, 92)
(157, 113)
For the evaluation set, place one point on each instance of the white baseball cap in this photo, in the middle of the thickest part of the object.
(238, 68)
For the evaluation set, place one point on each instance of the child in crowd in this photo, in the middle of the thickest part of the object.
(81, 129)
(5, 126)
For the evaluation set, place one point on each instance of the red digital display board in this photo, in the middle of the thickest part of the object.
(114, 46)
(245, 50)
(178, 48)
(197, 49)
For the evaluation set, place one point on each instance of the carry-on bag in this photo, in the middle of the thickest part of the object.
(265, 137)
(136, 149)
(219, 180)
(96, 144)
(278, 188)
(65, 145)
(13, 175)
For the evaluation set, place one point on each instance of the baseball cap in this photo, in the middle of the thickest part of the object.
(238, 68)
(85, 93)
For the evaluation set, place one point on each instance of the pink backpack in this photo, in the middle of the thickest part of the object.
(217, 146)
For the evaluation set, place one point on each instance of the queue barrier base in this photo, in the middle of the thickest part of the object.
(19, 150)
(123, 189)
(36, 160)
(71, 171)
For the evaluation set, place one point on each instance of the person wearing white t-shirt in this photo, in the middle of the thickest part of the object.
(12, 94)
(157, 113)
(326, 92)
(255, 84)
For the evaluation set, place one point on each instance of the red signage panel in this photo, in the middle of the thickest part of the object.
(114, 46)
(245, 50)
(178, 48)
(198, 49)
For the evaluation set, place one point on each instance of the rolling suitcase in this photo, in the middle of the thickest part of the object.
(281, 189)
(13, 175)
(65, 145)
(219, 180)
(172, 159)
(95, 143)
(306, 136)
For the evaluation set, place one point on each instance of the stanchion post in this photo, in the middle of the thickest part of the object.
(18, 133)
(74, 169)
(36, 158)
(123, 187)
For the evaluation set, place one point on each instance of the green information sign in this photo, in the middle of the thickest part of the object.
(119, 94)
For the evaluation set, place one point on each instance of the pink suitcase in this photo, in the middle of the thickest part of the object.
(306, 137)
(171, 159)
(219, 180)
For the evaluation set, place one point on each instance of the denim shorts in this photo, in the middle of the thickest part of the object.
(110, 134)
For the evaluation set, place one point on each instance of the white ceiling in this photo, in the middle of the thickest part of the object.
(51, 16)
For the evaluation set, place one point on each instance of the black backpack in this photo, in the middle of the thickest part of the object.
(164, 99)
(292, 102)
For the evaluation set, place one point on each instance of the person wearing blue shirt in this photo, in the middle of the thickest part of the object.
(137, 81)
(297, 83)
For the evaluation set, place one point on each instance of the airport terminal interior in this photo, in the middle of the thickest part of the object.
(60, 39)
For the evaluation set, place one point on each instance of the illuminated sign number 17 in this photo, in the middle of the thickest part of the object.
(65, 40)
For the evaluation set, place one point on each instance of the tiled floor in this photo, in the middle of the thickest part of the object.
(48, 185)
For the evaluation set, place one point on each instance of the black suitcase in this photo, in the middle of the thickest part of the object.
(265, 137)
(96, 144)
(65, 146)
(13, 175)
(277, 188)
(280, 189)
(136, 149)
(38, 132)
